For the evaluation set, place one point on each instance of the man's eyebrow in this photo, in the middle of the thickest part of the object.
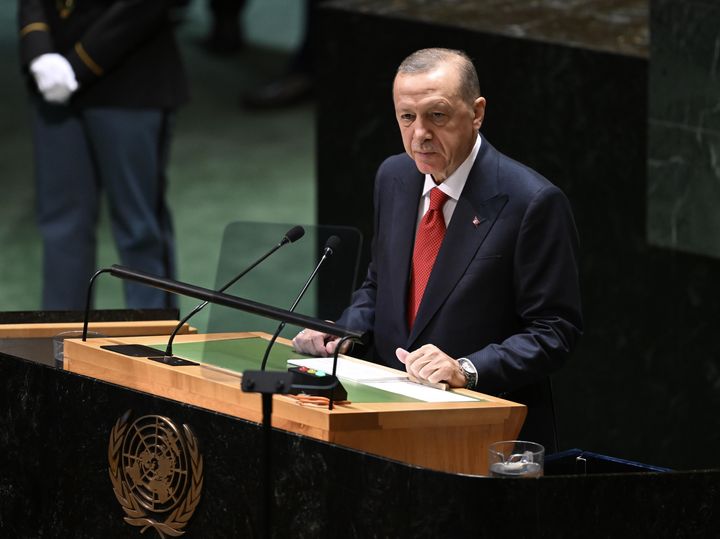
(438, 102)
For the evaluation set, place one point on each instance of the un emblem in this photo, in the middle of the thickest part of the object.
(156, 472)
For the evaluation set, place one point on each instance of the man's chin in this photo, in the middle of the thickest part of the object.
(425, 168)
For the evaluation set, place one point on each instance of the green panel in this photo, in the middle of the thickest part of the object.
(246, 354)
(237, 354)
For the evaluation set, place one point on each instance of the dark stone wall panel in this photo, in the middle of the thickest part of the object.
(684, 142)
(685, 67)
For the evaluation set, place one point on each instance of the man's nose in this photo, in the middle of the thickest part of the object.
(421, 132)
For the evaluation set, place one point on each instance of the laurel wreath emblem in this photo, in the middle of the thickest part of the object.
(137, 514)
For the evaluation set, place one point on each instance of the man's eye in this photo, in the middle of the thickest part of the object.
(438, 116)
(407, 117)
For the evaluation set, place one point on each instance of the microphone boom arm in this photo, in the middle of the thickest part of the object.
(234, 302)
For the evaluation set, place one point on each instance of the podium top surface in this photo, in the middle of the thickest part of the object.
(222, 357)
(241, 354)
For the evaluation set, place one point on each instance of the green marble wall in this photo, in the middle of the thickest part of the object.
(683, 185)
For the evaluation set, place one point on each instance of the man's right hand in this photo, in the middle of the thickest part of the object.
(316, 343)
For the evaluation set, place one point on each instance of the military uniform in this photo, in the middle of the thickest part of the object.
(113, 135)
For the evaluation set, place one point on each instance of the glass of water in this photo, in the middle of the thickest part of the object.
(515, 458)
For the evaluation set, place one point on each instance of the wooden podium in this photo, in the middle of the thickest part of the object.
(450, 437)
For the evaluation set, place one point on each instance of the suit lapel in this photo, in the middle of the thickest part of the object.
(406, 197)
(477, 209)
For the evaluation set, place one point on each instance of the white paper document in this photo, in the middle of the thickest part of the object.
(348, 369)
(377, 377)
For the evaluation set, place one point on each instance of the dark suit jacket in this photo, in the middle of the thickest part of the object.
(504, 290)
(123, 53)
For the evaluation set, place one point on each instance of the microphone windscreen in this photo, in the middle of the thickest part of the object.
(332, 243)
(294, 234)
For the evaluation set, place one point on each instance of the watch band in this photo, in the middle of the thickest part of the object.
(469, 371)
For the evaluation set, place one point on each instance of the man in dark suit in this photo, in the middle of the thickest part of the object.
(473, 279)
(105, 78)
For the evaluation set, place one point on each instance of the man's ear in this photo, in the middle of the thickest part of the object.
(479, 112)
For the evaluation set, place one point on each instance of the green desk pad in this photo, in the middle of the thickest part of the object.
(239, 355)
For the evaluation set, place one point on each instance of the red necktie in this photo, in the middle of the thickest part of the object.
(429, 237)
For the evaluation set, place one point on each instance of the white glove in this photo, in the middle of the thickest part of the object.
(54, 77)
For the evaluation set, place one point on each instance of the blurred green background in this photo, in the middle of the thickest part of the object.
(227, 164)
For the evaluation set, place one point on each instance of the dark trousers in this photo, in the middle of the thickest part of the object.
(78, 155)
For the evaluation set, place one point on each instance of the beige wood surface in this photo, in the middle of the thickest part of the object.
(111, 329)
(451, 437)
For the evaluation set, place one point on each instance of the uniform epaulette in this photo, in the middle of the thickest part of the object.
(34, 27)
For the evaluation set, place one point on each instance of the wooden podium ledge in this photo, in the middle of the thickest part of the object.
(110, 329)
(451, 437)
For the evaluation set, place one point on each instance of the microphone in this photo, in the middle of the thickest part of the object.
(291, 236)
(331, 246)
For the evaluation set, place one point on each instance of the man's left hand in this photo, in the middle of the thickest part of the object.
(54, 77)
(429, 363)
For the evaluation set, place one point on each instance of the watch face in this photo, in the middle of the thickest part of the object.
(465, 371)
(470, 376)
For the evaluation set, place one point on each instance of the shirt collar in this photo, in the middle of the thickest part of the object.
(455, 183)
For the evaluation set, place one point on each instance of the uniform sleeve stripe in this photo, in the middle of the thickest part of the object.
(89, 62)
(34, 27)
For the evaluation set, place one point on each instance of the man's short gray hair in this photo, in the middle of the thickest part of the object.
(426, 60)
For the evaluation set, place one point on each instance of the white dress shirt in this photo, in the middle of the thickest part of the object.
(452, 187)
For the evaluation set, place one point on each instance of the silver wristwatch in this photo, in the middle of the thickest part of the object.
(469, 371)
